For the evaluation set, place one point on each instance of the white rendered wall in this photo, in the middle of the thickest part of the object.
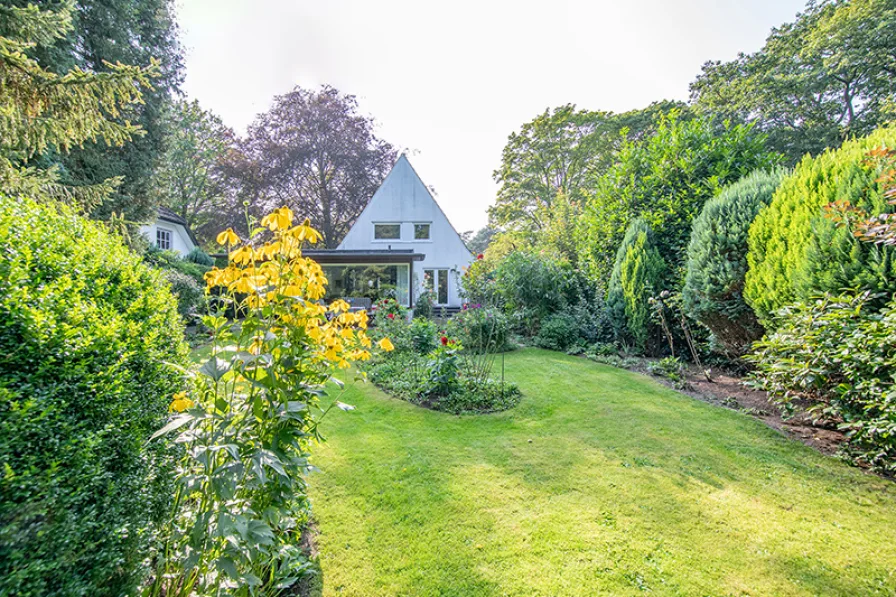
(180, 240)
(404, 199)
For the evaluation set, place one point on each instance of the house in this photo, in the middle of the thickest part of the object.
(170, 232)
(400, 245)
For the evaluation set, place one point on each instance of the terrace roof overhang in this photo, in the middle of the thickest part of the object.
(372, 256)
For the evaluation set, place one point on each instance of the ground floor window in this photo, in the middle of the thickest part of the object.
(436, 281)
(369, 281)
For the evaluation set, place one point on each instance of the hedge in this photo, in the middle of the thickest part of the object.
(86, 334)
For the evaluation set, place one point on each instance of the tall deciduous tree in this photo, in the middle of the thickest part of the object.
(827, 76)
(665, 179)
(191, 178)
(105, 33)
(313, 152)
(549, 164)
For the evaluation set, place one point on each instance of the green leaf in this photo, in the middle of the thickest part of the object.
(175, 423)
(215, 368)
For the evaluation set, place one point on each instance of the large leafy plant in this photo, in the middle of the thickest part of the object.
(835, 358)
(248, 419)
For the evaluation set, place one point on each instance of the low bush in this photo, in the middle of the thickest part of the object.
(670, 368)
(190, 295)
(423, 333)
(835, 358)
(423, 306)
(171, 260)
(200, 257)
(448, 378)
(482, 396)
(480, 329)
(558, 332)
(387, 309)
(88, 334)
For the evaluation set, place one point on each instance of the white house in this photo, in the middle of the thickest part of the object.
(170, 232)
(402, 242)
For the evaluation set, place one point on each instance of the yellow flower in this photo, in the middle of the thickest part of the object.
(386, 345)
(180, 403)
(243, 255)
(279, 219)
(228, 237)
(304, 231)
(339, 305)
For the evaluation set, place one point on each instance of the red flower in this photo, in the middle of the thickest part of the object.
(444, 341)
(391, 316)
(480, 257)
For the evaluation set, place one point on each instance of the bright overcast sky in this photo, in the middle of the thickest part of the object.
(449, 81)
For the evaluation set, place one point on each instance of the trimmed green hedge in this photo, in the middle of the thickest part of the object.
(717, 261)
(86, 330)
(796, 251)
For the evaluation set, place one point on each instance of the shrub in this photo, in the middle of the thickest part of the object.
(669, 367)
(835, 357)
(86, 333)
(383, 308)
(200, 257)
(558, 332)
(250, 416)
(482, 396)
(190, 296)
(637, 276)
(530, 287)
(796, 252)
(423, 305)
(717, 261)
(172, 260)
(480, 329)
(423, 335)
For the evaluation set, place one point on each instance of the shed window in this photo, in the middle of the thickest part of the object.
(387, 231)
(421, 231)
(163, 239)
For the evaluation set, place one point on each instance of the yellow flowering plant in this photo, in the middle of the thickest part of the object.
(252, 411)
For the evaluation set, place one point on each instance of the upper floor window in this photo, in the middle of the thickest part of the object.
(421, 231)
(387, 231)
(163, 238)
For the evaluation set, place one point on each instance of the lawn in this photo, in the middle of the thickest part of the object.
(602, 482)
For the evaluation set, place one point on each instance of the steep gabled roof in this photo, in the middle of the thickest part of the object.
(405, 184)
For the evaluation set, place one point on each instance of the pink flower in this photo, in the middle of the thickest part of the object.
(391, 316)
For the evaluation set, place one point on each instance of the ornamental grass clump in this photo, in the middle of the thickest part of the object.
(246, 424)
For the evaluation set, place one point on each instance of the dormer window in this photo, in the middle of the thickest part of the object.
(421, 231)
(163, 239)
(387, 231)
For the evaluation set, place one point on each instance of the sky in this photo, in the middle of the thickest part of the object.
(448, 82)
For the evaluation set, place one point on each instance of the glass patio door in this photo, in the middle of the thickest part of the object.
(436, 281)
